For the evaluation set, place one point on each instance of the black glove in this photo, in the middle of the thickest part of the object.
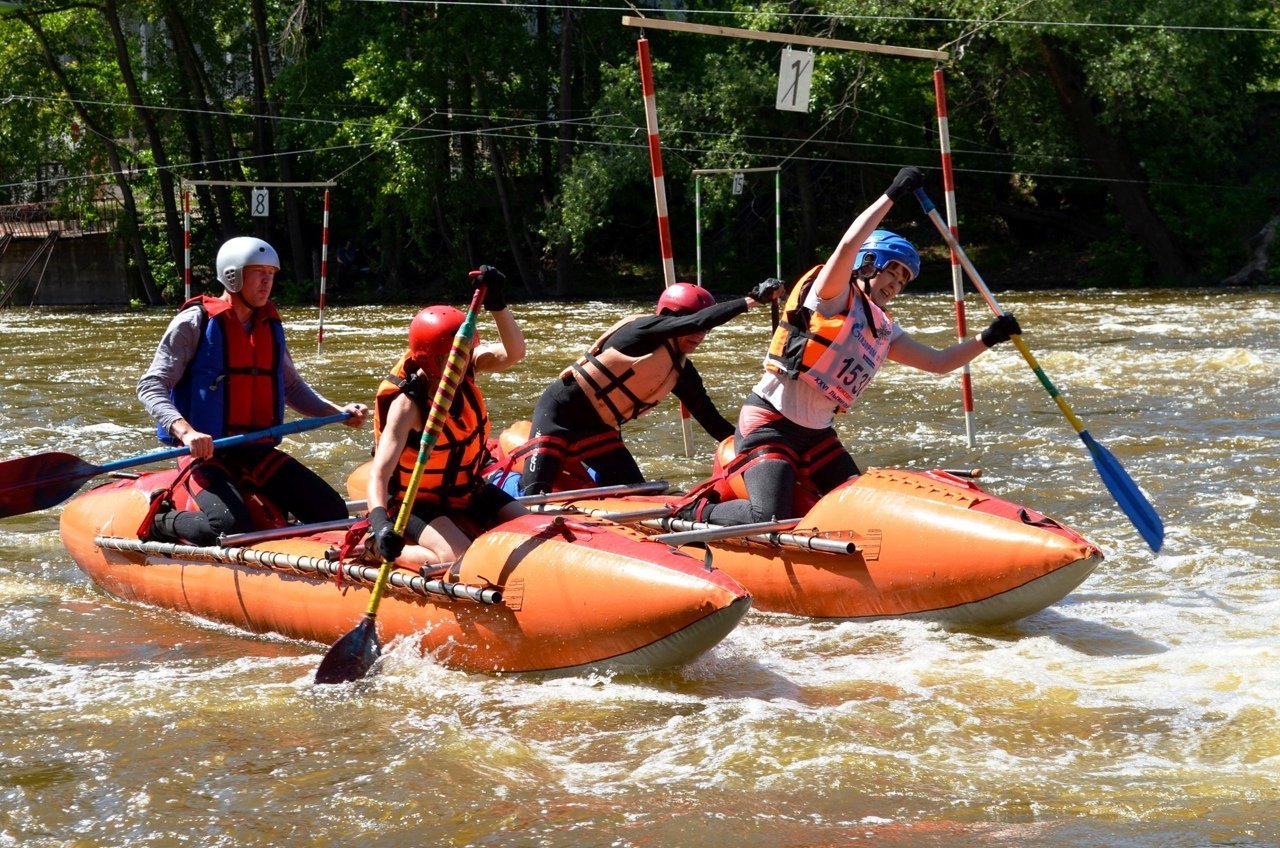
(389, 543)
(1000, 330)
(492, 279)
(908, 180)
(768, 291)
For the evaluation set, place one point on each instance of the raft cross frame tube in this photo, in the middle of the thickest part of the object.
(277, 560)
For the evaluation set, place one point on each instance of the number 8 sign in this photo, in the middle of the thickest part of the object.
(259, 204)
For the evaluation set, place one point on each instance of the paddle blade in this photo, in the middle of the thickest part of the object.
(31, 483)
(1126, 492)
(353, 655)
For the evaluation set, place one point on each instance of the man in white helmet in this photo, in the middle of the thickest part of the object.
(222, 368)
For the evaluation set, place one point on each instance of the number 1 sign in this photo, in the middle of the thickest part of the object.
(795, 75)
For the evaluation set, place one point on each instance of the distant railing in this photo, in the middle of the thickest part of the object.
(37, 220)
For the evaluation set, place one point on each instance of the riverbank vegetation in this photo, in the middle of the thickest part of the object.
(1132, 145)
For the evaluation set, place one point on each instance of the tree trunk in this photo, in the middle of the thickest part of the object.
(564, 154)
(292, 208)
(808, 205)
(1254, 273)
(130, 222)
(216, 200)
(1113, 163)
(168, 196)
(528, 275)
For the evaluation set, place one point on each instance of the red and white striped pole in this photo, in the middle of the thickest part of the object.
(957, 274)
(186, 243)
(655, 160)
(324, 271)
(660, 199)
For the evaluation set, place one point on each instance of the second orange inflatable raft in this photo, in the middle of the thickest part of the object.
(903, 544)
(889, 543)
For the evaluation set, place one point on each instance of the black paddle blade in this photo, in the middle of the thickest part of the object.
(32, 483)
(353, 655)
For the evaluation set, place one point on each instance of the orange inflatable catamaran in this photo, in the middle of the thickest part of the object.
(556, 593)
(890, 543)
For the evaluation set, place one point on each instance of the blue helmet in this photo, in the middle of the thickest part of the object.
(884, 247)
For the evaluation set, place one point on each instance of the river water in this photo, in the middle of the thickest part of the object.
(1139, 711)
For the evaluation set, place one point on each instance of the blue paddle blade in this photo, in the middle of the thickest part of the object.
(1126, 492)
(353, 655)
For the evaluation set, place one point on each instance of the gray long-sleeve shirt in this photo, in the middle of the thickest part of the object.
(176, 350)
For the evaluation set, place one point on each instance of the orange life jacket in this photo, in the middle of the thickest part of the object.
(623, 387)
(839, 355)
(451, 474)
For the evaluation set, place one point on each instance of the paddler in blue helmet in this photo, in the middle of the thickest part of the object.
(222, 368)
(834, 336)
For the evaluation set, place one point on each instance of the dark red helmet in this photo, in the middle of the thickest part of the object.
(684, 299)
(431, 334)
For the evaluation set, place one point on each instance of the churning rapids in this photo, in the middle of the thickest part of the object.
(1139, 711)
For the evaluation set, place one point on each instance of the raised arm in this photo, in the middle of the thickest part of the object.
(509, 349)
(838, 269)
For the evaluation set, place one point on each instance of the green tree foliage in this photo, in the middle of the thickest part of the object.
(1116, 144)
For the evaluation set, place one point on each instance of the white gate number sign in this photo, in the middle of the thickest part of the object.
(259, 204)
(795, 75)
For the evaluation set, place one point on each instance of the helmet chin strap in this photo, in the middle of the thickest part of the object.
(865, 275)
(863, 284)
(242, 306)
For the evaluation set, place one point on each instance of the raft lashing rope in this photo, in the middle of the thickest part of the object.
(433, 588)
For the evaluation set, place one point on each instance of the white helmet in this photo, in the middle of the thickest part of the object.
(239, 252)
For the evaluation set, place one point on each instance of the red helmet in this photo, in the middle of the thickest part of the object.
(684, 299)
(431, 334)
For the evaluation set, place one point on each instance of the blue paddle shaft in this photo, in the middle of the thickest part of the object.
(299, 426)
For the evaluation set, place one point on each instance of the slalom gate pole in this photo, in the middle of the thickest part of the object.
(957, 273)
(697, 223)
(777, 239)
(186, 243)
(660, 199)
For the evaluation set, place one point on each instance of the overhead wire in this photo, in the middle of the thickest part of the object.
(689, 151)
(599, 122)
(979, 23)
(506, 6)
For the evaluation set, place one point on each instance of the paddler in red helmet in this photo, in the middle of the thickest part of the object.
(627, 372)
(834, 336)
(451, 485)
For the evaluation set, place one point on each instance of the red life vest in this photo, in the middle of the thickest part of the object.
(235, 382)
